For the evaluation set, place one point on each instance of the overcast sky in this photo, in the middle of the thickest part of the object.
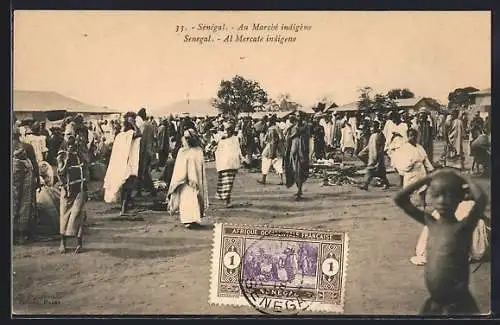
(132, 59)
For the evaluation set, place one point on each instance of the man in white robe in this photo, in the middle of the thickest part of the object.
(123, 165)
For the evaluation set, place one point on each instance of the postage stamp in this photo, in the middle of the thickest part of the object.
(278, 270)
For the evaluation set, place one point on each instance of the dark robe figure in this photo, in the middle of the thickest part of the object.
(145, 182)
(54, 143)
(465, 122)
(375, 157)
(82, 137)
(163, 141)
(318, 133)
(297, 154)
(44, 132)
(288, 265)
(337, 130)
(248, 144)
(476, 126)
(364, 136)
(184, 124)
(426, 135)
(480, 150)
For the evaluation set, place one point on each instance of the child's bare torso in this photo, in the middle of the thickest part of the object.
(447, 266)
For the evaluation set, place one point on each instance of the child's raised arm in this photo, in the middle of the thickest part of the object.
(479, 197)
(402, 199)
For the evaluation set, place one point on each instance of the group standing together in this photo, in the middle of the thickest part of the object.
(287, 145)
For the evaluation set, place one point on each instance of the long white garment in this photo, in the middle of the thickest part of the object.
(329, 133)
(91, 138)
(228, 154)
(402, 129)
(413, 162)
(353, 121)
(108, 133)
(139, 122)
(188, 192)
(348, 138)
(123, 163)
(189, 205)
(388, 129)
(39, 145)
(397, 142)
(462, 211)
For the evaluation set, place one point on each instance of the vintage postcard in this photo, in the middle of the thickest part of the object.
(251, 162)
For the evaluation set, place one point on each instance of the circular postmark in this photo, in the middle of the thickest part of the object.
(269, 280)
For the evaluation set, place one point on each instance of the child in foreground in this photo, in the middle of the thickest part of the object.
(449, 241)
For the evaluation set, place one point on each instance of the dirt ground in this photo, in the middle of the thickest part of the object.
(156, 266)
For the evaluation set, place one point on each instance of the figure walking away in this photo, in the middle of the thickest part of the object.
(123, 167)
(228, 159)
(188, 192)
(272, 155)
(297, 154)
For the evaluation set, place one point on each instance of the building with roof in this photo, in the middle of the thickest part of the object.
(40, 105)
(413, 105)
(346, 108)
(191, 107)
(482, 100)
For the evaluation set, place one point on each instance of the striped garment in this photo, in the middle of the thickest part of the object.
(225, 183)
(24, 195)
(73, 174)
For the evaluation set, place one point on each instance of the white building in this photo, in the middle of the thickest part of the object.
(482, 101)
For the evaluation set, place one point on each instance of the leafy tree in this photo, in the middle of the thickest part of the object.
(325, 102)
(461, 97)
(272, 106)
(365, 102)
(286, 103)
(240, 95)
(378, 103)
(382, 103)
(432, 103)
(284, 96)
(398, 93)
(289, 106)
(320, 107)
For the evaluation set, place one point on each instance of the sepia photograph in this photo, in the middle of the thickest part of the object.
(280, 163)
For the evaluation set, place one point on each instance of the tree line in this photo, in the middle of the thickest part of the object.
(242, 95)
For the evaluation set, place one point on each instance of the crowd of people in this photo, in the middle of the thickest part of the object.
(286, 145)
(132, 148)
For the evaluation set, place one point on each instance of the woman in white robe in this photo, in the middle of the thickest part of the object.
(188, 191)
(348, 141)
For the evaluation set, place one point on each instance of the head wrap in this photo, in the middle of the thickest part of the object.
(189, 133)
(70, 129)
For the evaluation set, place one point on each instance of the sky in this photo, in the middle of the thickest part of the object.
(131, 59)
